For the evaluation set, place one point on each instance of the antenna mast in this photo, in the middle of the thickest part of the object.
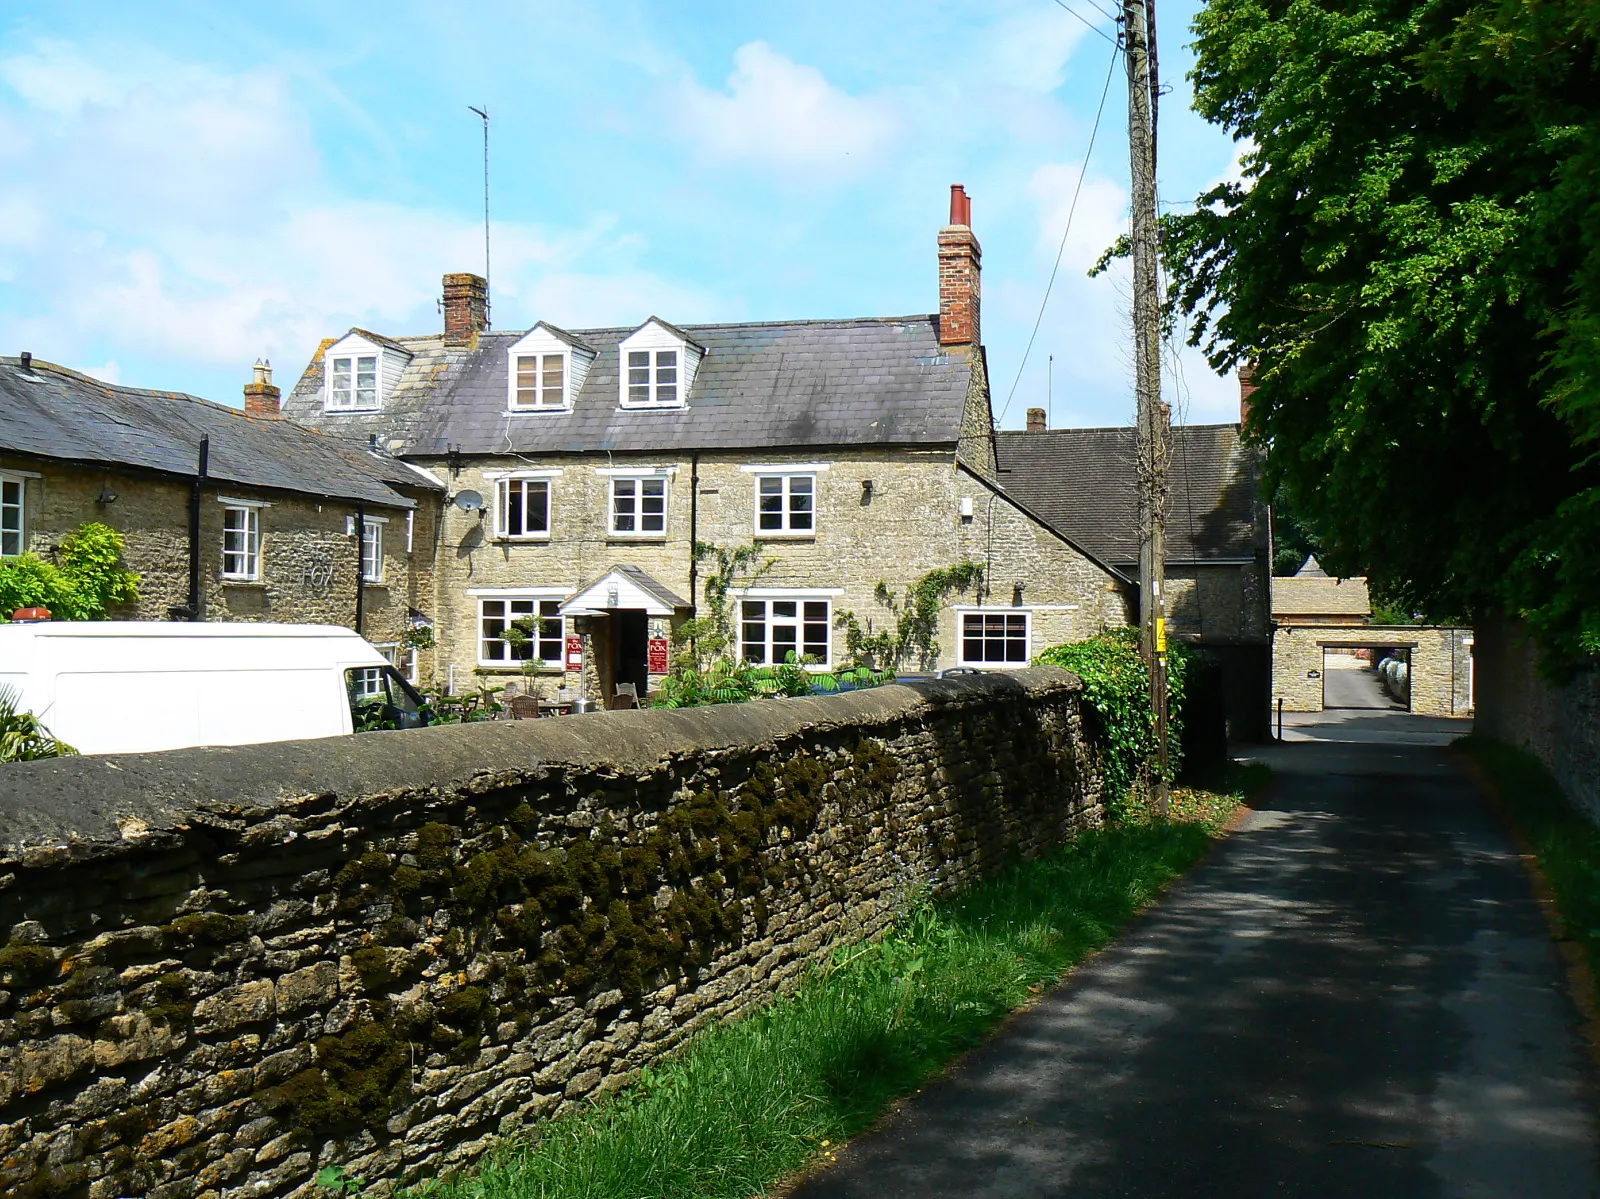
(488, 300)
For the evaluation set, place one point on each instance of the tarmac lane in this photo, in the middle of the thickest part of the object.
(1356, 994)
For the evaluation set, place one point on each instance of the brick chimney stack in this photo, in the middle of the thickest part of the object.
(1036, 420)
(1247, 388)
(260, 396)
(466, 308)
(960, 257)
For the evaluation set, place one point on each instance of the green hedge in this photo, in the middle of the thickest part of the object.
(1117, 691)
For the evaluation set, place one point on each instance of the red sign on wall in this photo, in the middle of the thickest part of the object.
(574, 653)
(658, 655)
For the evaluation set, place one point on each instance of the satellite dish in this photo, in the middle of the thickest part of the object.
(469, 501)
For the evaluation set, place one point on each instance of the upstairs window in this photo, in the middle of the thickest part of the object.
(786, 504)
(771, 629)
(371, 551)
(12, 491)
(653, 378)
(639, 506)
(241, 543)
(522, 508)
(353, 383)
(541, 382)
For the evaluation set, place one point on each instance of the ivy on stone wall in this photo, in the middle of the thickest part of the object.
(912, 635)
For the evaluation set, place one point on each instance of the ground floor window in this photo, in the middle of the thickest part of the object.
(995, 638)
(402, 657)
(241, 542)
(537, 635)
(769, 629)
(12, 490)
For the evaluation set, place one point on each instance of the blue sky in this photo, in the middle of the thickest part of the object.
(187, 187)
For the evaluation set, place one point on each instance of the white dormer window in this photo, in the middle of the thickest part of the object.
(540, 381)
(353, 383)
(656, 366)
(545, 370)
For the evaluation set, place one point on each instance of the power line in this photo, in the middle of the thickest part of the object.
(1104, 92)
(1090, 25)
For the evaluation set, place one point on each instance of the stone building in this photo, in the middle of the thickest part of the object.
(266, 529)
(1083, 481)
(1311, 596)
(584, 465)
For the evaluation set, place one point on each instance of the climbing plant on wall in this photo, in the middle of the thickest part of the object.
(910, 632)
(86, 584)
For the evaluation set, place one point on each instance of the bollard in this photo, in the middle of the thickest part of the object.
(1280, 718)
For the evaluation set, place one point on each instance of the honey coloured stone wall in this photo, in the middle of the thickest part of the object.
(226, 969)
(1441, 668)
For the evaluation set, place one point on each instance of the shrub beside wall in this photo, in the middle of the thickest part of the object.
(228, 968)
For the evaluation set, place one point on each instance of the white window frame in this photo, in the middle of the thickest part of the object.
(785, 480)
(372, 535)
(652, 382)
(538, 598)
(502, 504)
(331, 401)
(962, 614)
(253, 543)
(14, 516)
(541, 402)
(637, 480)
(767, 599)
(402, 657)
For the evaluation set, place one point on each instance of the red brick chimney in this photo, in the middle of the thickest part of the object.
(260, 396)
(1036, 420)
(466, 308)
(960, 257)
(1247, 388)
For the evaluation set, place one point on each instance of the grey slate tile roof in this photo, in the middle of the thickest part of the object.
(72, 417)
(1082, 482)
(870, 381)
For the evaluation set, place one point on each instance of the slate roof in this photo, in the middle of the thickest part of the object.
(870, 381)
(1312, 595)
(61, 414)
(1082, 483)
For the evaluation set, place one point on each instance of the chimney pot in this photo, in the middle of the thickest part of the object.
(260, 396)
(960, 269)
(27, 362)
(1247, 389)
(1036, 422)
(466, 308)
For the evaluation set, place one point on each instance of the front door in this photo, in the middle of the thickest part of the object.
(630, 648)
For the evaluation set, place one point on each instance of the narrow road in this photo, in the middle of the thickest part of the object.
(1349, 684)
(1355, 995)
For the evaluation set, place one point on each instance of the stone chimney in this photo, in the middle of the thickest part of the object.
(1247, 388)
(1036, 422)
(960, 257)
(260, 396)
(466, 308)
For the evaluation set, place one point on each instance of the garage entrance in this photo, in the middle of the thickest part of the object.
(1370, 677)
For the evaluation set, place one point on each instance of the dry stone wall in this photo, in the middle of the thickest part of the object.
(228, 968)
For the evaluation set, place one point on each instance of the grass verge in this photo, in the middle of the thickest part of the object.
(1566, 843)
(752, 1101)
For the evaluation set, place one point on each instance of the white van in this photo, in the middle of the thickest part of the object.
(107, 687)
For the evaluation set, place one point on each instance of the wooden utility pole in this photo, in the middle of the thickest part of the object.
(1137, 24)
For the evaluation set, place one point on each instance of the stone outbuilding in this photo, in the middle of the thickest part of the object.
(226, 514)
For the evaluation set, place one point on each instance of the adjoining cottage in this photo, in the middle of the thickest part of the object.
(226, 514)
(1084, 483)
(583, 466)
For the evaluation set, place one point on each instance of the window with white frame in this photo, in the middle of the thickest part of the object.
(543, 642)
(786, 504)
(352, 383)
(522, 508)
(639, 505)
(13, 493)
(402, 657)
(653, 378)
(371, 551)
(998, 638)
(770, 629)
(541, 382)
(241, 542)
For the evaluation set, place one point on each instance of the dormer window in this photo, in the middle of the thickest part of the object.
(657, 364)
(653, 377)
(540, 381)
(353, 383)
(545, 370)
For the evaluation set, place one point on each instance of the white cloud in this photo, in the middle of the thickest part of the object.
(784, 115)
(1100, 217)
(1029, 48)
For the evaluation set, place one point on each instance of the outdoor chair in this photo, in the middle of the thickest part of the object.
(523, 707)
(626, 695)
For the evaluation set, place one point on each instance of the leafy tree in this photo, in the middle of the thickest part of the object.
(1412, 261)
(87, 584)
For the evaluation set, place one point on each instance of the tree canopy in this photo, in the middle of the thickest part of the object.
(1412, 262)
